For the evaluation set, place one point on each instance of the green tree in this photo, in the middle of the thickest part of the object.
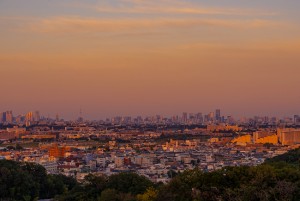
(109, 195)
(149, 195)
(94, 185)
(129, 183)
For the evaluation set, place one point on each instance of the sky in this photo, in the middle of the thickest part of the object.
(142, 57)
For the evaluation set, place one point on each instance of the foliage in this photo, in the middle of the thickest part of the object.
(149, 195)
(276, 179)
(129, 183)
(119, 187)
(264, 182)
(29, 181)
(291, 157)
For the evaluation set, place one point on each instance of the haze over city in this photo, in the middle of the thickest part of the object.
(135, 57)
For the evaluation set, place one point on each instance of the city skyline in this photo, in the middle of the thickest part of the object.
(216, 115)
(130, 57)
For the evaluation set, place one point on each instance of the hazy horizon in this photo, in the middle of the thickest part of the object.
(137, 57)
(97, 115)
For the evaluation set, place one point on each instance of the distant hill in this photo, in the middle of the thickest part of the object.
(292, 157)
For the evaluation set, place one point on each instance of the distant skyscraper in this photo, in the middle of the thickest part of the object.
(8, 117)
(29, 118)
(211, 116)
(175, 118)
(218, 114)
(139, 119)
(296, 119)
(36, 116)
(199, 117)
(57, 117)
(80, 118)
(184, 117)
(191, 116)
(2, 117)
(20, 119)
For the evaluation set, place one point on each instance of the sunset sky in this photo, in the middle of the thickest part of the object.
(130, 57)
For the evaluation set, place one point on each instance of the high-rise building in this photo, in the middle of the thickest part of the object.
(2, 117)
(218, 115)
(199, 117)
(262, 137)
(296, 119)
(8, 117)
(80, 118)
(211, 116)
(184, 117)
(57, 152)
(288, 136)
(191, 116)
(29, 117)
(174, 118)
(36, 116)
(57, 117)
(20, 119)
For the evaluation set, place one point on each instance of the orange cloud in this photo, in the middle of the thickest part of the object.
(91, 25)
(157, 9)
(160, 7)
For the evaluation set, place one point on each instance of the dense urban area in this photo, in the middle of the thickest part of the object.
(155, 147)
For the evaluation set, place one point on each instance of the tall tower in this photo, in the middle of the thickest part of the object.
(1, 117)
(211, 116)
(80, 118)
(296, 119)
(9, 117)
(199, 117)
(29, 118)
(218, 114)
(57, 117)
(36, 116)
(184, 117)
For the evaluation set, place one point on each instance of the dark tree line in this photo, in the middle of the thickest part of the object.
(276, 179)
(29, 181)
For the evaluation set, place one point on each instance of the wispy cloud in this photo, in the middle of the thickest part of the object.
(182, 11)
(94, 25)
(161, 7)
(143, 16)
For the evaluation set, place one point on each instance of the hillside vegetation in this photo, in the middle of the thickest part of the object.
(277, 179)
